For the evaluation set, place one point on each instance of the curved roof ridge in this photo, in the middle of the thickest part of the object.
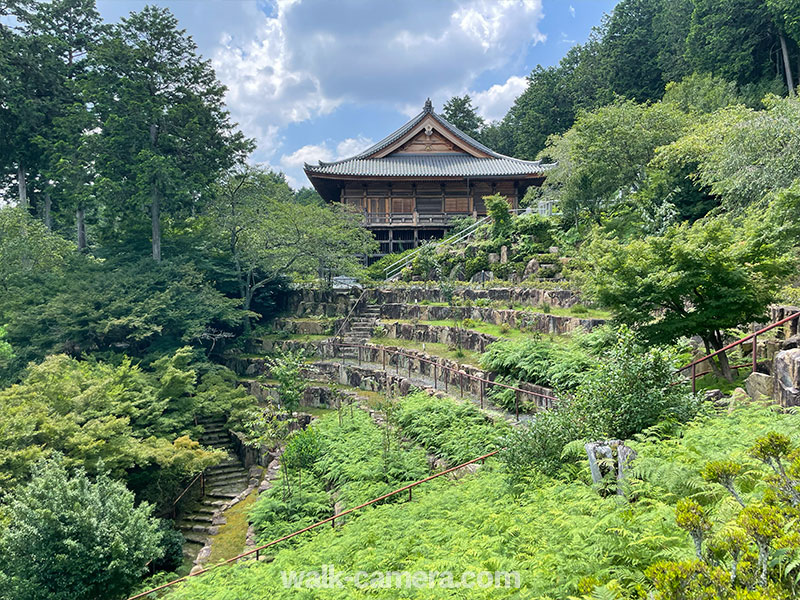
(404, 129)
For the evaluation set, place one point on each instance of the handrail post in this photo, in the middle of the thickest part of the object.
(359, 356)
(408, 358)
(383, 355)
(694, 378)
(203, 482)
(755, 353)
(482, 385)
(435, 380)
(409, 494)
(397, 363)
(516, 404)
(446, 379)
(461, 379)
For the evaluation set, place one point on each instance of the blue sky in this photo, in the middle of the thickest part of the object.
(323, 79)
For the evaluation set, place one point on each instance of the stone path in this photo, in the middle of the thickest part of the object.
(223, 483)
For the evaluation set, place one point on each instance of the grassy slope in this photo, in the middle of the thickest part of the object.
(555, 534)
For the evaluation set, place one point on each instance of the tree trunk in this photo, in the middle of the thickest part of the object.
(722, 357)
(787, 67)
(155, 217)
(248, 299)
(80, 221)
(47, 216)
(23, 187)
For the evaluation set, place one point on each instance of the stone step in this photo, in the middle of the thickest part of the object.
(198, 518)
(194, 537)
(192, 549)
(204, 510)
(215, 435)
(222, 494)
(240, 478)
(220, 470)
(219, 444)
(202, 529)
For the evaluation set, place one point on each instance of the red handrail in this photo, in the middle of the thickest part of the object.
(315, 525)
(201, 476)
(452, 369)
(517, 391)
(693, 365)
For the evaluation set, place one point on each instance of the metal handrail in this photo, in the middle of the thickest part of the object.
(452, 239)
(391, 272)
(517, 391)
(349, 314)
(201, 477)
(754, 336)
(331, 520)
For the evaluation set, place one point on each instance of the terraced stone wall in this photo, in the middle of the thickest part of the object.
(529, 320)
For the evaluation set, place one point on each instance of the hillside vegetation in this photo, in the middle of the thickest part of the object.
(144, 262)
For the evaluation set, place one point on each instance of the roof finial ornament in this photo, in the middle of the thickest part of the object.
(428, 106)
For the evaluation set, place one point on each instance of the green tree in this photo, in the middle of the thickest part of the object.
(27, 248)
(68, 27)
(697, 279)
(734, 39)
(285, 369)
(602, 159)
(165, 134)
(71, 538)
(269, 237)
(460, 112)
(134, 423)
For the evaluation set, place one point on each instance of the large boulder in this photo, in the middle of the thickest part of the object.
(786, 372)
(759, 386)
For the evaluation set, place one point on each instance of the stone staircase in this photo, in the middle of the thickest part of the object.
(223, 482)
(361, 327)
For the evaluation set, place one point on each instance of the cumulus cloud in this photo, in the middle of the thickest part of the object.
(299, 59)
(494, 103)
(311, 153)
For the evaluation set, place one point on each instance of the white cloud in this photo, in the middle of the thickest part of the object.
(307, 57)
(292, 164)
(572, 11)
(311, 153)
(494, 103)
(290, 61)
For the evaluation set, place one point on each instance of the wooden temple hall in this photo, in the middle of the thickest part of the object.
(414, 182)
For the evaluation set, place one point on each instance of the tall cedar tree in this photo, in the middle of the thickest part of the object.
(165, 134)
(68, 28)
(460, 112)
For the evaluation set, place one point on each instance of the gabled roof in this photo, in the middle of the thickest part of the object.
(469, 157)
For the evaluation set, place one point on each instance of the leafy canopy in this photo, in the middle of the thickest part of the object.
(70, 538)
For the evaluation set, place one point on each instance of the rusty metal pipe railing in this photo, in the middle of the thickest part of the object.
(331, 519)
(754, 336)
(460, 373)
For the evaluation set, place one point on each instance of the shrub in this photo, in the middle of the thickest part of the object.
(627, 391)
(91, 541)
(453, 431)
(498, 210)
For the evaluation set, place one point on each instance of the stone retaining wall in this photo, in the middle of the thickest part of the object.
(440, 334)
(516, 319)
(508, 295)
(447, 373)
(329, 303)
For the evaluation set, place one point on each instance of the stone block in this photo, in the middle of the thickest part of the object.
(786, 373)
(759, 386)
